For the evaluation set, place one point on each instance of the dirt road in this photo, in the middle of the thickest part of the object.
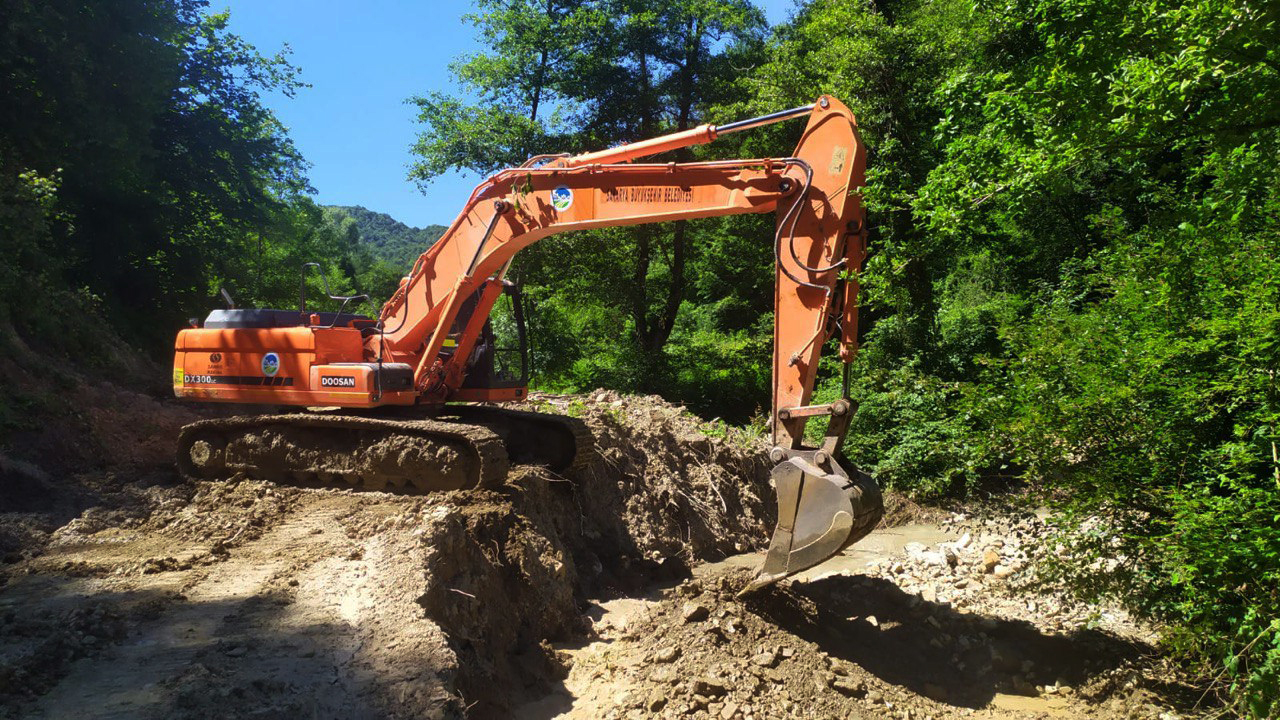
(303, 621)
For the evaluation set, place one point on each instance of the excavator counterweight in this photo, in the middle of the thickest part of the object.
(391, 385)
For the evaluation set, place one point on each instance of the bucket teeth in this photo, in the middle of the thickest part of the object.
(820, 513)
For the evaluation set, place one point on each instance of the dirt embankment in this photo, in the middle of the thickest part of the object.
(130, 592)
(918, 624)
(509, 570)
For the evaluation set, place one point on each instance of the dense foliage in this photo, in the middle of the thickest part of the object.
(1074, 280)
(390, 240)
(139, 168)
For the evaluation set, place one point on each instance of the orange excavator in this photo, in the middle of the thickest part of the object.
(383, 383)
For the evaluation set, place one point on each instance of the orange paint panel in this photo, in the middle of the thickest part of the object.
(272, 365)
(801, 309)
(495, 395)
(339, 345)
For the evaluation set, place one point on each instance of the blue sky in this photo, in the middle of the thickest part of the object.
(363, 60)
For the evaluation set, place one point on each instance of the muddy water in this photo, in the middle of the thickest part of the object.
(879, 545)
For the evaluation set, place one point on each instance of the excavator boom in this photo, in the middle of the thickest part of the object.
(431, 341)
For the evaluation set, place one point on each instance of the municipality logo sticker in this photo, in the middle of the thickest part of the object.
(270, 364)
(562, 198)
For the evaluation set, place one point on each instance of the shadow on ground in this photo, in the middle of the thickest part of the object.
(962, 659)
(154, 655)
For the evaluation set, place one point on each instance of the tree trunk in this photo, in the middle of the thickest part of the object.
(540, 75)
(661, 328)
(643, 233)
(640, 281)
(537, 84)
(539, 79)
(675, 289)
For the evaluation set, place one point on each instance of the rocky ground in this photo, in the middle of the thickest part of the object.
(901, 629)
(130, 592)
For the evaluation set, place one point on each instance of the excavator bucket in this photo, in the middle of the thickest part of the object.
(821, 511)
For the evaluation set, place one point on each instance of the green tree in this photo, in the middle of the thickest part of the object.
(1073, 212)
(922, 323)
(149, 112)
(578, 76)
(1115, 162)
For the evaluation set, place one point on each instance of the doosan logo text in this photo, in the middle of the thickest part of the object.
(337, 381)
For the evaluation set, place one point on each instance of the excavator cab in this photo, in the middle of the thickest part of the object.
(497, 362)
(500, 359)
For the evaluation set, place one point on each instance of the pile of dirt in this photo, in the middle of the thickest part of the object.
(61, 416)
(132, 429)
(430, 606)
(928, 620)
(511, 569)
(39, 642)
(206, 519)
(675, 485)
(700, 651)
(91, 456)
(846, 646)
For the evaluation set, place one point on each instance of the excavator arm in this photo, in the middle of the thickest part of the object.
(819, 246)
(419, 349)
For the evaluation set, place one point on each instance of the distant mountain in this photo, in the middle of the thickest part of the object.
(388, 238)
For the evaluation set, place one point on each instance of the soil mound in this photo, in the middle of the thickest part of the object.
(509, 570)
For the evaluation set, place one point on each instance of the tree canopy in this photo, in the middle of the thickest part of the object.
(135, 131)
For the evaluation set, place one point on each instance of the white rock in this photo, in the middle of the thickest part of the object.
(935, 559)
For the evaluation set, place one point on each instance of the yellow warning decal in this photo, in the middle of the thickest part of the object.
(177, 377)
(450, 342)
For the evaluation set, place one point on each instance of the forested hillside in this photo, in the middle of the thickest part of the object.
(1073, 293)
(389, 239)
